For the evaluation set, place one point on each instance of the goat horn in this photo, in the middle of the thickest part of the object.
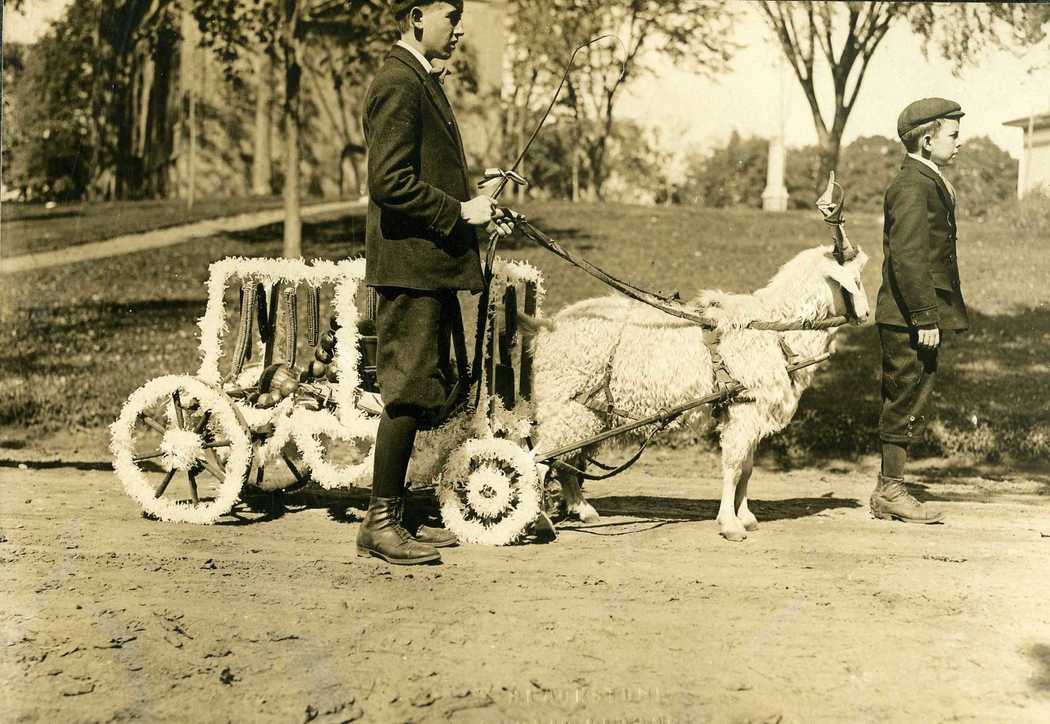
(827, 205)
(831, 209)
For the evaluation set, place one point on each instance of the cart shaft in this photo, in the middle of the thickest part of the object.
(724, 394)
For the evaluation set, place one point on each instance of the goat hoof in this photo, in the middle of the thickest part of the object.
(732, 531)
(585, 512)
(749, 520)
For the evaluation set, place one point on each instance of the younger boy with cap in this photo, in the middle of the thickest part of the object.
(920, 295)
(420, 248)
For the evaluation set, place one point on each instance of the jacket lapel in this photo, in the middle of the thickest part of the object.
(942, 190)
(442, 106)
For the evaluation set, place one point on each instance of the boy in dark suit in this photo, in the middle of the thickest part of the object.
(420, 247)
(920, 295)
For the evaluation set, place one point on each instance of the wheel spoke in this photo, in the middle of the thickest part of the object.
(193, 487)
(149, 456)
(151, 423)
(209, 450)
(203, 423)
(164, 483)
(213, 469)
(178, 410)
(295, 471)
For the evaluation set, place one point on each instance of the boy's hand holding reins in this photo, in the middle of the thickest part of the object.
(483, 211)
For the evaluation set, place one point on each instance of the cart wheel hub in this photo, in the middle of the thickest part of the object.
(182, 449)
(489, 491)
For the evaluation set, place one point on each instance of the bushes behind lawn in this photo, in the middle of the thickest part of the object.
(80, 338)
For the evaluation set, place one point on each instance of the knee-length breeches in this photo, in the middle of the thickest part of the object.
(413, 369)
(908, 374)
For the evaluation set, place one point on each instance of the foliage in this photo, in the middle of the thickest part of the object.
(642, 169)
(733, 175)
(804, 30)
(549, 163)
(867, 166)
(73, 114)
(283, 29)
(801, 176)
(544, 34)
(47, 111)
(984, 176)
(1028, 217)
(961, 32)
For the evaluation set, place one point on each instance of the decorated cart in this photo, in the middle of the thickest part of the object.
(286, 394)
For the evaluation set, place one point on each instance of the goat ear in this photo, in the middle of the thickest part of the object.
(846, 276)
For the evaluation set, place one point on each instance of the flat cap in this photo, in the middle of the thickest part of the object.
(924, 111)
(401, 7)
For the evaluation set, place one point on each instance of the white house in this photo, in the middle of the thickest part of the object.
(1035, 157)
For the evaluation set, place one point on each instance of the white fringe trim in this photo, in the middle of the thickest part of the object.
(489, 492)
(302, 425)
(347, 276)
(309, 426)
(135, 482)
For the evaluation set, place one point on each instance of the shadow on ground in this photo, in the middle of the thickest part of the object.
(987, 401)
(691, 509)
(963, 488)
(1040, 655)
(259, 507)
(344, 230)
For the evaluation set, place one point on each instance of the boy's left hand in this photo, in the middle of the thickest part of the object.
(929, 338)
(501, 224)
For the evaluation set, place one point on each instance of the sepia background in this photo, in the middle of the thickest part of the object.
(144, 140)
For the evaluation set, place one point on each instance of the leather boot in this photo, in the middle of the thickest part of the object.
(892, 501)
(382, 536)
(438, 537)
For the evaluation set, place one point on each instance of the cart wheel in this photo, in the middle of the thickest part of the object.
(178, 437)
(489, 492)
(337, 456)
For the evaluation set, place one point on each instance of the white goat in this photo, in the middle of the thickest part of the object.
(643, 361)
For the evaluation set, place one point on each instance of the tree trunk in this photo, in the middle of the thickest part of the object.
(262, 156)
(829, 158)
(293, 246)
(597, 159)
(575, 177)
(191, 192)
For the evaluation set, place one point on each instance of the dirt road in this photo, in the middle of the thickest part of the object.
(822, 615)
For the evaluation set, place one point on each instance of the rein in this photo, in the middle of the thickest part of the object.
(664, 303)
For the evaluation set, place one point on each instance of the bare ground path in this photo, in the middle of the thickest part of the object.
(130, 243)
(822, 615)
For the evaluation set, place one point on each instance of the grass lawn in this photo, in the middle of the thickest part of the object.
(80, 338)
(29, 228)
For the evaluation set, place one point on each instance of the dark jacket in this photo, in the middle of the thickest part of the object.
(920, 272)
(417, 177)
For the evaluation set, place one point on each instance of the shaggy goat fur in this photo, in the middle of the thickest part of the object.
(642, 361)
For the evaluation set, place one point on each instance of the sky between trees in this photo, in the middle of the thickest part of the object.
(694, 111)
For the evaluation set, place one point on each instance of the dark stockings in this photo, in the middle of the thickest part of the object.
(393, 448)
(893, 458)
